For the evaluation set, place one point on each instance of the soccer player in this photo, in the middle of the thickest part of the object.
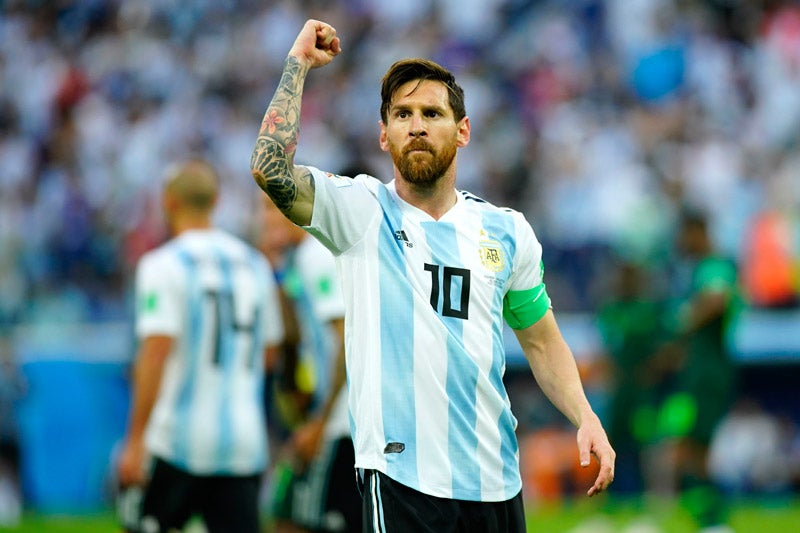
(701, 374)
(632, 327)
(207, 317)
(324, 497)
(429, 273)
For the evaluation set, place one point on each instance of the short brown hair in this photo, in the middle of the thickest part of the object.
(195, 182)
(420, 69)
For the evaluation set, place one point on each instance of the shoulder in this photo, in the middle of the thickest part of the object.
(340, 181)
(476, 202)
(160, 266)
(506, 215)
(233, 243)
(240, 250)
(505, 224)
(161, 257)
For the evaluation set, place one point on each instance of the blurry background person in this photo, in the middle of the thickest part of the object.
(696, 367)
(324, 496)
(207, 317)
(631, 322)
(290, 385)
(751, 451)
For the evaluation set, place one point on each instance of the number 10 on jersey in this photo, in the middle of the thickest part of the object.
(449, 282)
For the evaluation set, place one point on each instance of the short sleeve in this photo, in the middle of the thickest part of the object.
(158, 296)
(526, 300)
(322, 281)
(343, 208)
(528, 270)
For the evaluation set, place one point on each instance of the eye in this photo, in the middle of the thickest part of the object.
(432, 113)
(402, 114)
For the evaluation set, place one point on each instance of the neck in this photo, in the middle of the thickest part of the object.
(435, 199)
(188, 223)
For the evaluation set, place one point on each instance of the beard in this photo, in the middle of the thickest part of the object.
(423, 168)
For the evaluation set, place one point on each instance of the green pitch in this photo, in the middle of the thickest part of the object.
(607, 516)
(597, 515)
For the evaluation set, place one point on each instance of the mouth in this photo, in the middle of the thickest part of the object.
(418, 148)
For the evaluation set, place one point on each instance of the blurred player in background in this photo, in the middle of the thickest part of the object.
(207, 317)
(428, 273)
(632, 325)
(699, 373)
(323, 496)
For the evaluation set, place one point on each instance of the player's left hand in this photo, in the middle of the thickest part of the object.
(592, 440)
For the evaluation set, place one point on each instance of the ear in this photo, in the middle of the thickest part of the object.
(462, 135)
(382, 140)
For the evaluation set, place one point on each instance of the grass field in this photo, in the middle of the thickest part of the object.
(588, 516)
(582, 516)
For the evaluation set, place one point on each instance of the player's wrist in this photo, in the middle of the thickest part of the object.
(586, 416)
(296, 58)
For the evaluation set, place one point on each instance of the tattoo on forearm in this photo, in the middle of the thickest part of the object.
(272, 171)
(272, 160)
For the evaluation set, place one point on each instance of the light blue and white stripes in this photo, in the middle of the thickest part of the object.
(216, 298)
(425, 350)
(396, 335)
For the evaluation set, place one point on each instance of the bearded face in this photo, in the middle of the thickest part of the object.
(420, 163)
(421, 133)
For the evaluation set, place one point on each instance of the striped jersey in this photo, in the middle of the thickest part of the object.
(216, 297)
(424, 333)
(319, 301)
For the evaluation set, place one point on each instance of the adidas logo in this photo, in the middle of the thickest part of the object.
(401, 236)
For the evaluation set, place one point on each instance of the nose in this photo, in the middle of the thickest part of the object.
(417, 127)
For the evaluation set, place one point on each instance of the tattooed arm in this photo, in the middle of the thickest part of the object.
(291, 187)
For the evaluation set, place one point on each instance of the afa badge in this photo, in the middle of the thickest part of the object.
(491, 254)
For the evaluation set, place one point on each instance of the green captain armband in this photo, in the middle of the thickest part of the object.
(524, 308)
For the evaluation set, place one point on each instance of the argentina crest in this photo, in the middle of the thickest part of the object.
(491, 254)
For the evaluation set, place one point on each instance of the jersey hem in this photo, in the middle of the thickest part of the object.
(479, 495)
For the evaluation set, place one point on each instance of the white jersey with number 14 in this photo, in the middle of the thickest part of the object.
(216, 297)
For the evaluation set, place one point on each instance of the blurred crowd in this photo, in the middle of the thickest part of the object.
(600, 119)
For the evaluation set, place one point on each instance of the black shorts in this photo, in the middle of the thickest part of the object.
(173, 496)
(390, 507)
(326, 497)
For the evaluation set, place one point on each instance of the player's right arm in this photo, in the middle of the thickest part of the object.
(556, 372)
(158, 323)
(148, 370)
(272, 162)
